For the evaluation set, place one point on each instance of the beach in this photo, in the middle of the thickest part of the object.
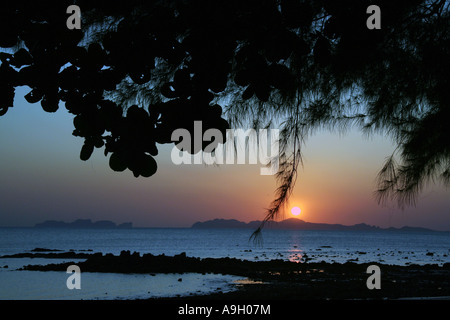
(275, 279)
(169, 264)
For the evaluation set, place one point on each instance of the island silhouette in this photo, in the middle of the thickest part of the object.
(298, 224)
(84, 224)
(287, 224)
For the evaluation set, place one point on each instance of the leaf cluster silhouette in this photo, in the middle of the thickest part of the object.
(137, 70)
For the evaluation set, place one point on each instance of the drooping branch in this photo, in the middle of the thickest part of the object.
(291, 136)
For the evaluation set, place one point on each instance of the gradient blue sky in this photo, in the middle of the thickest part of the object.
(42, 178)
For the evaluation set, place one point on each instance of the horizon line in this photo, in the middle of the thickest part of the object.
(191, 225)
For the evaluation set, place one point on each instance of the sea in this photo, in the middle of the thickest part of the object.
(384, 247)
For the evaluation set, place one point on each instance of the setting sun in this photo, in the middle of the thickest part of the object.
(296, 211)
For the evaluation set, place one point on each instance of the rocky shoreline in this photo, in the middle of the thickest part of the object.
(275, 279)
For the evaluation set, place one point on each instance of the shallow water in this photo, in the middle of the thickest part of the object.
(51, 285)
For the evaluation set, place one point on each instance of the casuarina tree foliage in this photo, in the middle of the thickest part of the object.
(137, 70)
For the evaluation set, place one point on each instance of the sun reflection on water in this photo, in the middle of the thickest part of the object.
(296, 254)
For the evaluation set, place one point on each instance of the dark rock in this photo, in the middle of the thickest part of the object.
(181, 255)
(44, 250)
(125, 253)
(50, 255)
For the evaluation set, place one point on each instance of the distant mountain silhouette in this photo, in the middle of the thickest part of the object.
(84, 224)
(296, 224)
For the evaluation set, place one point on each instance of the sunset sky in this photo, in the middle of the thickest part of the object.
(42, 178)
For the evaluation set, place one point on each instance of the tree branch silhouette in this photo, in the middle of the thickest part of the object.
(138, 70)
